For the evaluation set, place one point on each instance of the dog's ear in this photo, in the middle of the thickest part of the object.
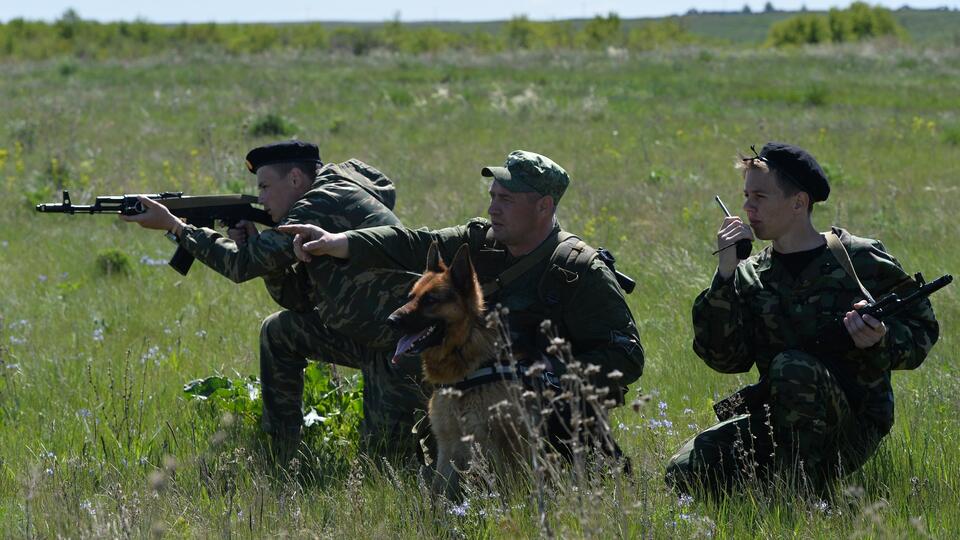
(434, 262)
(461, 270)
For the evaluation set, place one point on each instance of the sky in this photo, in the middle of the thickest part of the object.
(174, 11)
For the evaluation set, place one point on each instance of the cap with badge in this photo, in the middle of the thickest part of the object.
(796, 165)
(526, 172)
(282, 152)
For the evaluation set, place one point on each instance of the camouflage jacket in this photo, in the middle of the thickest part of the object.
(762, 311)
(344, 196)
(597, 322)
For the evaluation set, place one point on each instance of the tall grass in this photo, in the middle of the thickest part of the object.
(98, 439)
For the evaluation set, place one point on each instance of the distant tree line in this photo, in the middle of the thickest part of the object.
(70, 35)
(858, 22)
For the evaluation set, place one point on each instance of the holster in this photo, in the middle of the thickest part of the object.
(749, 399)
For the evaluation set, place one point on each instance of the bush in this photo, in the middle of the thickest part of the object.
(659, 34)
(856, 23)
(800, 30)
(271, 124)
(113, 262)
(602, 32)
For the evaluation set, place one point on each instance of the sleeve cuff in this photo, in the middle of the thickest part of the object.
(720, 286)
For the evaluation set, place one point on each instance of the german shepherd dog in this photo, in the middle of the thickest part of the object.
(444, 320)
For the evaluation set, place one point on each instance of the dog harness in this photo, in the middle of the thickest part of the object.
(501, 372)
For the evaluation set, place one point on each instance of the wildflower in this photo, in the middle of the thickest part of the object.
(4, 243)
(88, 506)
(149, 261)
(201, 333)
(84, 413)
(662, 406)
(17, 341)
(49, 471)
(150, 354)
(461, 509)
(98, 333)
(42, 278)
(688, 410)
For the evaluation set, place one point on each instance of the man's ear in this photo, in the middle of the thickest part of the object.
(545, 204)
(802, 201)
(297, 178)
(462, 276)
(434, 262)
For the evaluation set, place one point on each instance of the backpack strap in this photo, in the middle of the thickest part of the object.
(524, 265)
(570, 260)
(839, 252)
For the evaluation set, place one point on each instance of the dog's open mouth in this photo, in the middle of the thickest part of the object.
(412, 344)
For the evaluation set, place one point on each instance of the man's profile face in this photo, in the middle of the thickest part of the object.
(277, 193)
(513, 215)
(770, 212)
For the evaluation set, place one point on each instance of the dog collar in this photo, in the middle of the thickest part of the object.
(501, 372)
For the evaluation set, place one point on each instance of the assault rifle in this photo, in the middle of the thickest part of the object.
(831, 340)
(835, 337)
(200, 211)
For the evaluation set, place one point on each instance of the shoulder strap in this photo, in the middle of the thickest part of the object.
(522, 266)
(573, 254)
(840, 253)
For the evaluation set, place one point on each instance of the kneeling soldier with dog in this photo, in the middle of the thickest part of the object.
(525, 263)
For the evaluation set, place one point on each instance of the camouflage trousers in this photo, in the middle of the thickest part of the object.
(807, 432)
(391, 395)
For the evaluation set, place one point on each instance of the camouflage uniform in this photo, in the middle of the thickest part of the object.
(596, 319)
(826, 412)
(333, 312)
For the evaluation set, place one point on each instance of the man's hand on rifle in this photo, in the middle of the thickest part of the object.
(865, 331)
(243, 232)
(312, 240)
(157, 216)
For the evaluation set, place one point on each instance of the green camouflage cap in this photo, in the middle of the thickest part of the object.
(527, 172)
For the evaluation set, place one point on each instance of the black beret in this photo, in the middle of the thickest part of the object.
(797, 165)
(282, 152)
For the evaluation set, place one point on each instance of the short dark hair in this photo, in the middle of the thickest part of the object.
(308, 168)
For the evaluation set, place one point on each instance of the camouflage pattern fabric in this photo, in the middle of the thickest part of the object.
(597, 322)
(341, 303)
(526, 172)
(807, 425)
(392, 395)
(762, 313)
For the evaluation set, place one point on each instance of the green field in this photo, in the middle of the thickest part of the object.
(98, 440)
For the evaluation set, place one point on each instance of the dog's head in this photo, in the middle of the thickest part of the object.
(441, 307)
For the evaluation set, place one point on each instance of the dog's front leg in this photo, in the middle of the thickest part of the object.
(447, 479)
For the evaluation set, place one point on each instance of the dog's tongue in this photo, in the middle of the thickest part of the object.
(406, 343)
